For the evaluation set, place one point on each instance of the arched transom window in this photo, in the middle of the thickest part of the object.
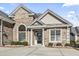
(22, 32)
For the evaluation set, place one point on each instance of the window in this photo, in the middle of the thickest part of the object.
(55, 35)
(22, 28)
(52, 35)
(22, 36)
(22, 33)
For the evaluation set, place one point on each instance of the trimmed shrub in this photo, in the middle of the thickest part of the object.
(13, 42)
(25, 43)
(67, 44)
(77, 44)
(19, 43)
(72, 43)
(59, 44)
(50, 44)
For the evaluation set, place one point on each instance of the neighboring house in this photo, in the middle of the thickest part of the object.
(24, 25)
(75, 33)
(6, 28)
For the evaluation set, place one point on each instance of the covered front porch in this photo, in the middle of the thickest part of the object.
(35, 36)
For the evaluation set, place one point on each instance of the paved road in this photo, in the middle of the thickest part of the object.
(38, 51)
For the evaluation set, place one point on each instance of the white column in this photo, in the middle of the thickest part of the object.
(43, 36)
(55, 35)
(1, 31)
(35, 39)
(31, 37)
(28, 35)
(68, 35)
(61, 36)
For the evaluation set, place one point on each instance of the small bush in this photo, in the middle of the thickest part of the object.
(50, 44)
(19, 43)
(67, 44)
(77, 40)
(25, 43)
(58, 44)
(72, 43)
(77, 44)
(13, 43)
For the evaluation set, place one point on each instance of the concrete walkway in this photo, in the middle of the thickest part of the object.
(38, 51)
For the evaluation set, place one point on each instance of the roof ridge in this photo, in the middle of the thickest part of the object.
(20, 6)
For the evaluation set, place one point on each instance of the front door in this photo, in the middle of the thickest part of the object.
(39, 37)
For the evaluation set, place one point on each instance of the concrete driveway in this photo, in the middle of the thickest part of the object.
(38, 51)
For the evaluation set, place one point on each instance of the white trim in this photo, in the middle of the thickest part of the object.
(35, 40)
(61, 34)
(31, 37)
(28, 35)
(18, 33)
(49, 35)
(55, 35)
(68, 34)
(43, 36)
(47, 26)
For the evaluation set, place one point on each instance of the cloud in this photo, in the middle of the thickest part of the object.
(2, 8)
(71, 3)
(71, 14)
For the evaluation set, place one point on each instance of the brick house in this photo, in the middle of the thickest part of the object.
(24, 25)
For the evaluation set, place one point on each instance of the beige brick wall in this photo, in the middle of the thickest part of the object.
(7, 32)
(46, 37)
(21, 17)
(64, 33)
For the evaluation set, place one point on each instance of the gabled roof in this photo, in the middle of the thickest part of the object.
(51, 12)
(4, 17)
(37, 15)
(37, 23)
(20, 6)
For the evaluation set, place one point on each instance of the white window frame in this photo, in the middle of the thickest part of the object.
(18, 31)
(55, 35)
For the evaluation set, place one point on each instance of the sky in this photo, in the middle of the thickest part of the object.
(69, 12)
